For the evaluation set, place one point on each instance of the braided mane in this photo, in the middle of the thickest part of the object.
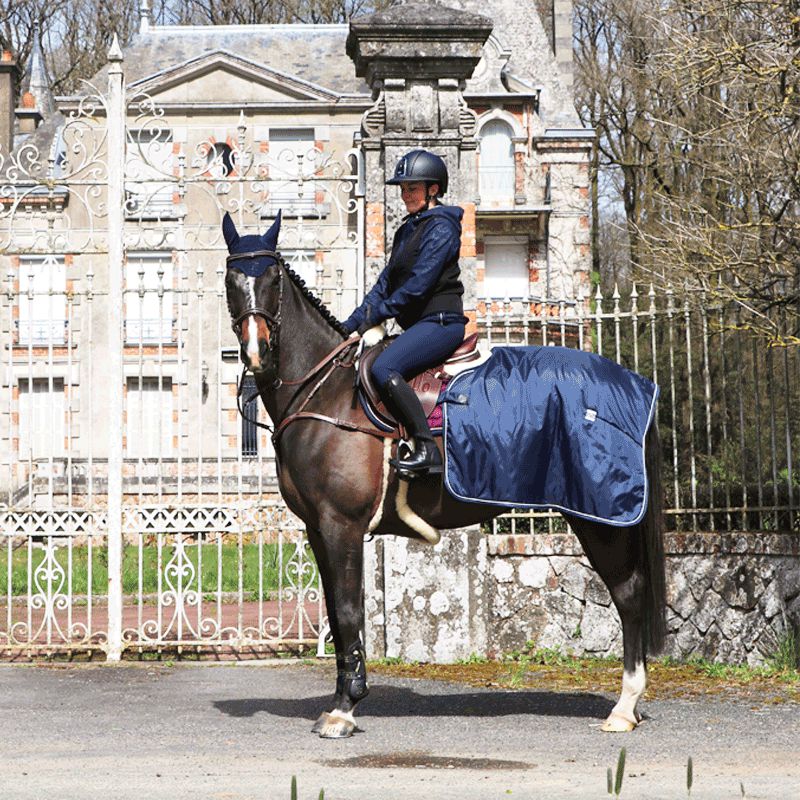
(324, 311)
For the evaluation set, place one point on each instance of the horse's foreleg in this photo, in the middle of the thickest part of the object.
(341, 563)
(616, 557)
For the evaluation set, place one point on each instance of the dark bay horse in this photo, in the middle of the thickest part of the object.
(333, 473)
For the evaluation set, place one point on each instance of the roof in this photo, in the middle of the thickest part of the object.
(316, 53)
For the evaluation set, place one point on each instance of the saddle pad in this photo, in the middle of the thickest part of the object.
(550, 427)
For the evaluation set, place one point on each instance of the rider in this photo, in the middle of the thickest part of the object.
(421, 288)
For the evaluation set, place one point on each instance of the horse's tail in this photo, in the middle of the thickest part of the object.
(655, 622)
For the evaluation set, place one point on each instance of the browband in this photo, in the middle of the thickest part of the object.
(252, 254)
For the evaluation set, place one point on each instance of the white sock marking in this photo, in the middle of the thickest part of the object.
(633, 686)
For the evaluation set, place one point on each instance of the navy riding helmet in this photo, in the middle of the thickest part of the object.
(420, 165)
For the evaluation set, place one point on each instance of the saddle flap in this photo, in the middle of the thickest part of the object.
(426, 385)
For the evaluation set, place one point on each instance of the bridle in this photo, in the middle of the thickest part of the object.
(272, 320)
(332, 360)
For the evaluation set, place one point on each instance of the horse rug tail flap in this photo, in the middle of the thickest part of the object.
(550, 427)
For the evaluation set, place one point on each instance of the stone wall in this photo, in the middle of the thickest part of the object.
(730, 596)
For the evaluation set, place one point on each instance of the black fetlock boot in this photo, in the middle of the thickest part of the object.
(400, 399)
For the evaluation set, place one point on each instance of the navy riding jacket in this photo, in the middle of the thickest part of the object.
(422, 276)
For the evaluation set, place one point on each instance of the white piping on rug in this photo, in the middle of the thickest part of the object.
(412, 519)
(378, 515)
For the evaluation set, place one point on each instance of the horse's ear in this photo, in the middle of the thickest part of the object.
(270, 238)
(229, 231)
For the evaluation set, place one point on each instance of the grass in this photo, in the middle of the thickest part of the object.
(551, 669)
(209, 555)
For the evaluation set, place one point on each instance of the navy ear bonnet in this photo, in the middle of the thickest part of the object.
(253, 266)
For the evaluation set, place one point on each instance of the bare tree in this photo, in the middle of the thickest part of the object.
(697, 106)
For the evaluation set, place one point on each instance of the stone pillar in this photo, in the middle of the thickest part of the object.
(421, 603)
(417, 59)
(8, 76)
(562, 41)
(428, 603)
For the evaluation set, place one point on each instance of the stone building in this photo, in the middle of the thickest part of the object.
(250, 119)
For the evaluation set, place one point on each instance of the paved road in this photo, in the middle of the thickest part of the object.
(235, 731)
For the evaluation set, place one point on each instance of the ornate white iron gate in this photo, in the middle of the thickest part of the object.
(137, 510)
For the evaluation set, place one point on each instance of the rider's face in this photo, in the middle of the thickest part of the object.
(415, 195)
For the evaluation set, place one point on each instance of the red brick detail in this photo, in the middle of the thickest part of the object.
(472, 322)
(376, 230)
(468, 231)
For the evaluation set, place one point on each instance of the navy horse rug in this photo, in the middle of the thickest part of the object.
(550, 427)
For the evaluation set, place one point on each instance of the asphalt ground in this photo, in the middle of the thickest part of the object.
(242, 730)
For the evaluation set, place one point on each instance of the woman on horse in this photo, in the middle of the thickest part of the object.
(421, 288)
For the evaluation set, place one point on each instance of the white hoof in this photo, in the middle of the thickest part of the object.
(323, 718)
(338, 725)
(618, 724)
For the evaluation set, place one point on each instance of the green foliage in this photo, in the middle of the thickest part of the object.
(689, 777)
(786, 655)
(620, 773)
(209, 555)
(473, 658)
(293, 790)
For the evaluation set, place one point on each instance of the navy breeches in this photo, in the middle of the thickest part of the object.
(425, 344)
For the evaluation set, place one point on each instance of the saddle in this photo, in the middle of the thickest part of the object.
(427, 385)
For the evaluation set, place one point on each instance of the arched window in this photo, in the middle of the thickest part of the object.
(496, 164)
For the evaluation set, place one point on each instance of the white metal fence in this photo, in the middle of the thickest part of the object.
(729, 404)
(137, 510)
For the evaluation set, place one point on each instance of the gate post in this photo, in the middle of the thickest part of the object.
(417, 59)
(115, 120)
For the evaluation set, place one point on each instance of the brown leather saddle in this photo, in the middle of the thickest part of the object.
(427, 384)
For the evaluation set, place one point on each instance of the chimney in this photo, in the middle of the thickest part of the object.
(562, 40)
(8, 80)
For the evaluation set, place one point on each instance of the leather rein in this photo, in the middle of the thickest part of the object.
(332, 360)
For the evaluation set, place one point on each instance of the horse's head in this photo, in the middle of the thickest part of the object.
(253, 287)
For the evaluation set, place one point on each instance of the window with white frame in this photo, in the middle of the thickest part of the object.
(149, 426)
(148, 173)
(506, 267)
(149, 299)
(304, 263)
(41, 417)
(293, 160)
(42, 300)
(496, 171)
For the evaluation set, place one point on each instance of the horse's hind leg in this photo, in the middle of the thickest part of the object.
(340, 559)
(615, 553)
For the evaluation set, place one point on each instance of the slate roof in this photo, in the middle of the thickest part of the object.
(314, 53)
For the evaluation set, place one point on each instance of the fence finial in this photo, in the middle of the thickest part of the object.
(145, 19)
(115, 51)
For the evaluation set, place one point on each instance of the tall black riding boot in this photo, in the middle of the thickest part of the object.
(404, 405)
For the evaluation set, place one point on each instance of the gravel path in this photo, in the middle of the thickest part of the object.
(241, 730)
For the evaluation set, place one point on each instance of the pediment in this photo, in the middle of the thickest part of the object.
(222, 76)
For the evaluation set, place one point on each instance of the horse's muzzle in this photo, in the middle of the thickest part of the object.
(256, 360)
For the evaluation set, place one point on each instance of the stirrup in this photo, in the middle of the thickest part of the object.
(411, 470)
